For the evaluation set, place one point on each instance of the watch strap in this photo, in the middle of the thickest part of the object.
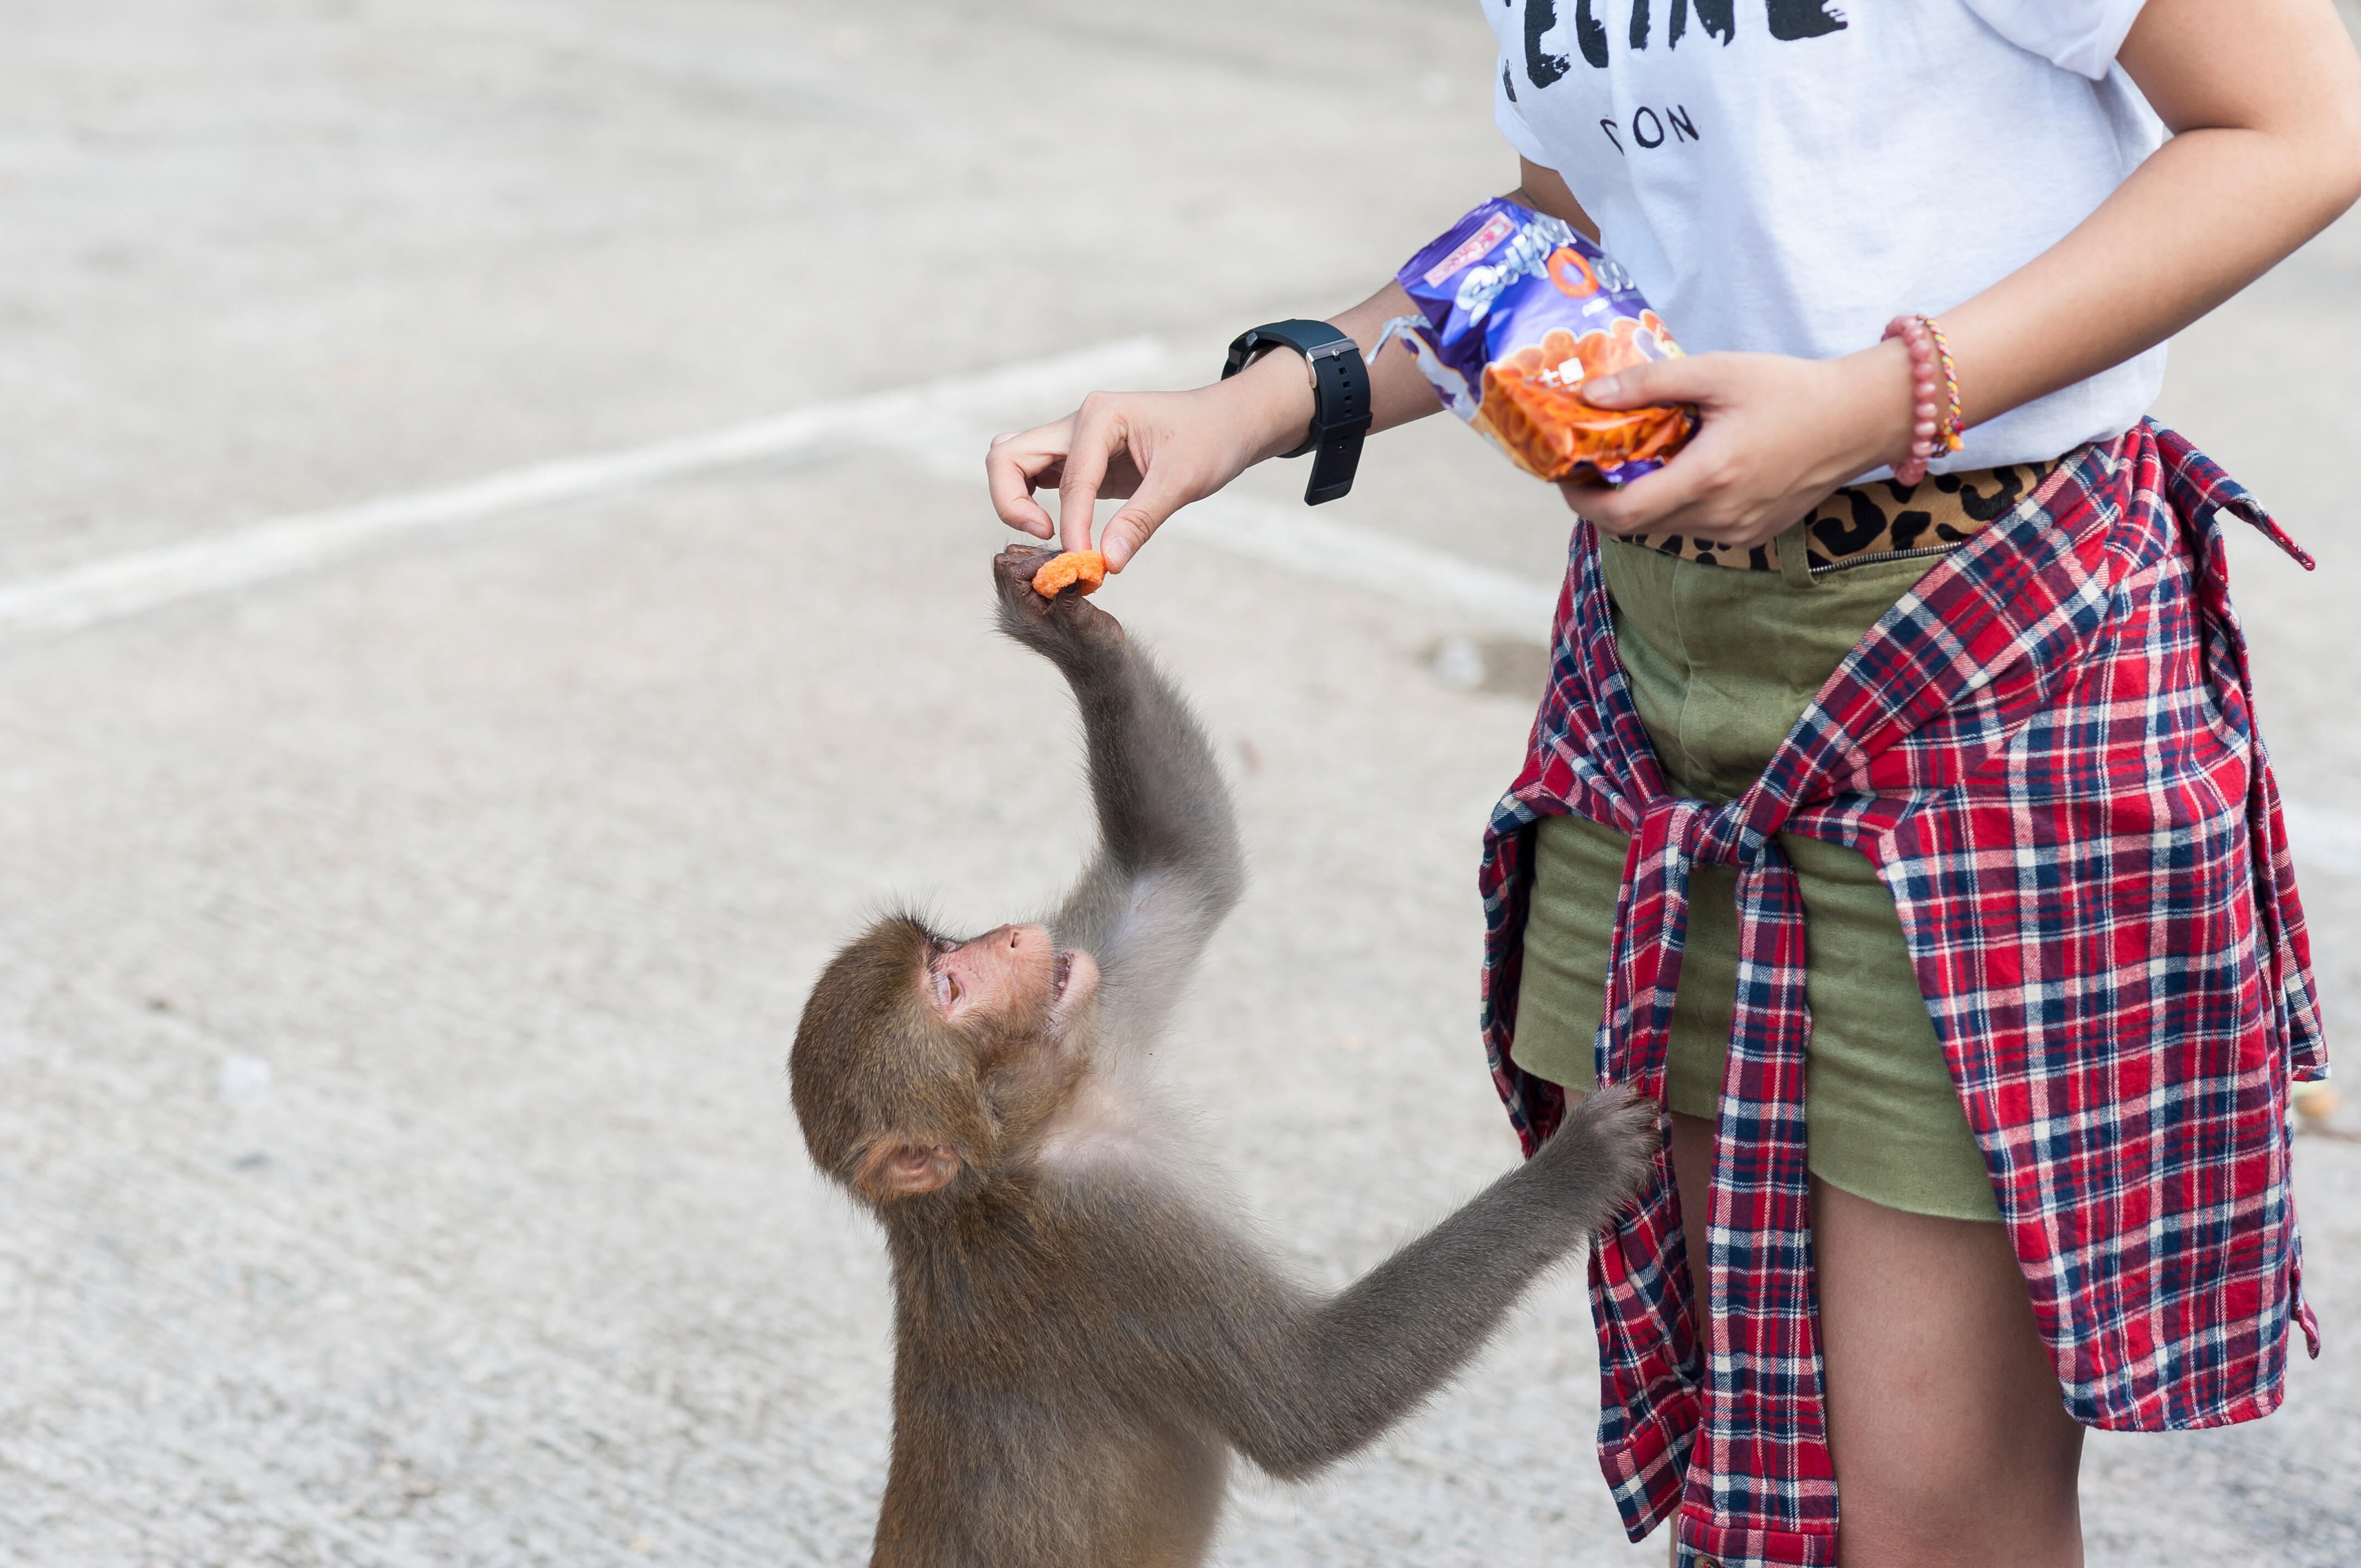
(1341, 409)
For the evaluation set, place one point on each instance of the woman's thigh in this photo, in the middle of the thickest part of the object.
(1951, 1442)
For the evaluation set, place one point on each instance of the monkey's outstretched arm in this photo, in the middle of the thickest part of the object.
(1168, 867)
(1296, 1386)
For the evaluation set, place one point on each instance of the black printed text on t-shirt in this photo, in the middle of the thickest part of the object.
(1788, 21)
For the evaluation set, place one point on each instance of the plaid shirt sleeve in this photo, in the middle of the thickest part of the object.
(2048, 749)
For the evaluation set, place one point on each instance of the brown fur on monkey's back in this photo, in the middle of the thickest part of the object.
(1012, 1416)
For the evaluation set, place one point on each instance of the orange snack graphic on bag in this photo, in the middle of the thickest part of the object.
(1533, 408)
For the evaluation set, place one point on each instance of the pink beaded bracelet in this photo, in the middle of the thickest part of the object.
(1933, 427)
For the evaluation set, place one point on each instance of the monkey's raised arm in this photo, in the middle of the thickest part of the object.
(1168, 866)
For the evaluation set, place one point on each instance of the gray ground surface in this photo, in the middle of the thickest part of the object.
(396, 962)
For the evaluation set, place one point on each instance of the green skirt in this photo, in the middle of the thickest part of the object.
(1722, 662)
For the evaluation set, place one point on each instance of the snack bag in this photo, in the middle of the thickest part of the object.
(1520, 309)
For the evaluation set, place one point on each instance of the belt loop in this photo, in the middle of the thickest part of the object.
(1796, 554)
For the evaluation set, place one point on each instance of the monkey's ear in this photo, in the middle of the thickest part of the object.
(898, 1169)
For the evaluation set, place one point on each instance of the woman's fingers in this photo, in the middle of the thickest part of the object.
(1707, 488)
(1158, 451)
(1638, 507)
(1015, 465)
(1085, 455)
(1100, 431)
(1117, 439)
(1658, 382)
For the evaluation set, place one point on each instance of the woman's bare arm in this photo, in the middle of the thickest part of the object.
(1163, 450)
(2264, 101)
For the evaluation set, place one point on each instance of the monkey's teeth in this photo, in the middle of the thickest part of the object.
(1063, 972)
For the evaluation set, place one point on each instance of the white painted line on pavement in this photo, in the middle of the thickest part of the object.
(1316, 546)
(128, 585)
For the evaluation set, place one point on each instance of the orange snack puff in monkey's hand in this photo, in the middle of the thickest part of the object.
(1087, 567)
(1518, 311)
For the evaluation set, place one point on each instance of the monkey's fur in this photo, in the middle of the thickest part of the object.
(1079, 1343)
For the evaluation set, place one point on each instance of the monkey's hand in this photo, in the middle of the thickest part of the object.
(1599, 1158)
(1067, 628)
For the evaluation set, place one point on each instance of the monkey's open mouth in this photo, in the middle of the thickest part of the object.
(1073, 981)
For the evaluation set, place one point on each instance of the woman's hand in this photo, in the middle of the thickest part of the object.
(1776, 435)
(1163, 450)
(1158, 450)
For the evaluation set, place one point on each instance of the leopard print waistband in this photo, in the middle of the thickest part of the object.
(1880, 521)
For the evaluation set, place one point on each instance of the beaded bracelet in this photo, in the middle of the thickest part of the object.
(1932, 427)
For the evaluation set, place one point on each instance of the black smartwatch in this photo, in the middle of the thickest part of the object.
(1340, 399)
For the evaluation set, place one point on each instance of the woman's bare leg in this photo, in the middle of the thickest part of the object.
(1950, 1443)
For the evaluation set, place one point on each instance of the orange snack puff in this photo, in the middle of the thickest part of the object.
(1087, 567)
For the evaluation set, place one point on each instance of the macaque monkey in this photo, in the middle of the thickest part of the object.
(1080, 1339)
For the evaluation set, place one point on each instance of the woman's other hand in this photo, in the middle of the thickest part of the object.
(1776, 435)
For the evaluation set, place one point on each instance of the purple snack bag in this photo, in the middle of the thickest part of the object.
(1519, 312)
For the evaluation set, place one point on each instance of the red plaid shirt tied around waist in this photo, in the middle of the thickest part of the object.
(2047, 749)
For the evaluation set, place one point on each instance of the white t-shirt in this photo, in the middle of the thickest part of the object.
(1787, 176)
